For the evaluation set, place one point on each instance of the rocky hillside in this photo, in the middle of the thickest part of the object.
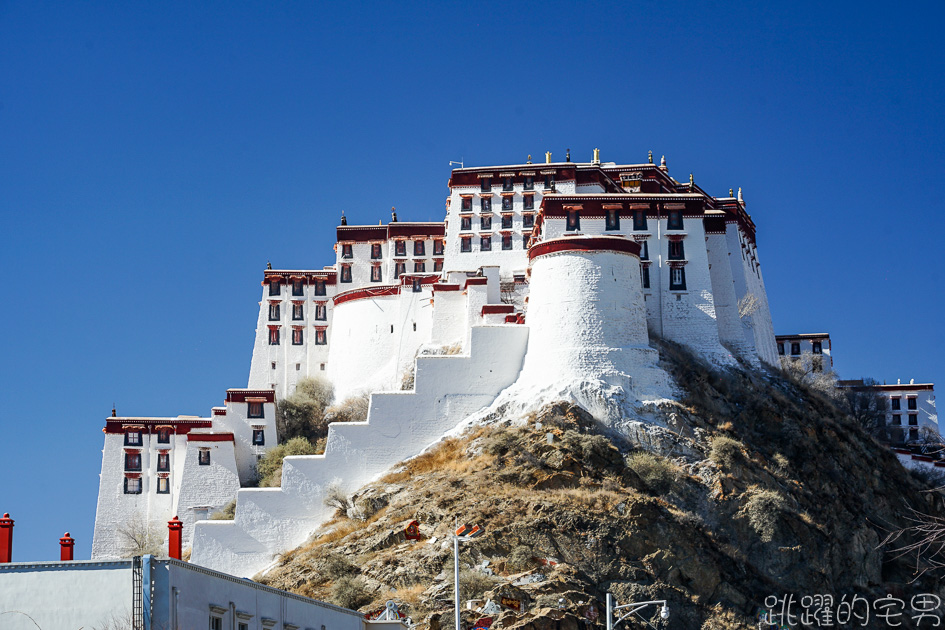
(755, 486)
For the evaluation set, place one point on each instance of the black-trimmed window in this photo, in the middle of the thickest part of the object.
(254, 409)
(164, 462)
(297, 337)
(677, 278)
(485, 222)
(528, 220)
(529, 182)
(528, 202)
(485, 243)
(375, 273)
(438, 264)
(639, 219)
(817, 348)
(274, 312)
(465, 223)
(438, 247)
(164, 436)
(781, 348)
(895, 404)
(465, 244)
(549, 181)
(674, 220)
(913, 435)
(574, 221)
(507, 184)
(203, 457)
(419, 248)
(321, 338)
(163, 485)
(419, 266)
(525, 239)
(485, 204)
(297, 312)
(507, 202)
(132, 485)
(612, 220)
(400, 248)
(133, 438)
(645, 250)
(273, 336)
(259, 437)
(297, 287)
(817, 363)
(400, 268)
(507, 241)
(321, 312)
(911, 403)
(913, 419)
(346, 273)
(375, 251)
(485, 184)
(645, 275)
(347, 250)
(676, 250)
(320, 287)
(466, 204)
(216, 623)
(133, 461)
(506, 221)
(897, 420)
(795, 349)
(274, 286)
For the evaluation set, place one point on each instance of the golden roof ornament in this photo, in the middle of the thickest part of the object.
(651, 157)
(529, 159)
(547, 157)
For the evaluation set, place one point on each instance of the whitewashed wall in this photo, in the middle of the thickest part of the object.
(205, 489)
(399, 425)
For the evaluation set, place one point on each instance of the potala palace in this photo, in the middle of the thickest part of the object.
(544, 282)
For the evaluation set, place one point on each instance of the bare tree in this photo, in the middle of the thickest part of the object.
(507, 290)
(866, 404)
(748, 306)
(138, 537)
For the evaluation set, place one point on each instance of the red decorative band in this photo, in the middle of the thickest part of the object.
(584, 244)
(441, 286)
(360, 294)
(250, 395)
(496, 309)
(209, 437)
(477, 281)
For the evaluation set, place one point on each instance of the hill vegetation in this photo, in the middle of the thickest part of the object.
(755, 485)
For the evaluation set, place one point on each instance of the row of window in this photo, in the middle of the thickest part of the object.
(485, 222)
(298, 312)
(485, 242)
(298, 337)
(896, 402)
(674, 220)
(677, 277)
(816, 348)
(400, 249)
(133, 485)
(913, 419)
(377, 275)
(528, 183)
(485, 204)
(275, 287)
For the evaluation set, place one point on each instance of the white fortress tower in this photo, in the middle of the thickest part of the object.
(544, 282)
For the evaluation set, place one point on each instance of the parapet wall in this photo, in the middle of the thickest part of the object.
(400, 425)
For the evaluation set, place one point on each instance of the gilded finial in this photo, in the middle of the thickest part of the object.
(596, 156)
(547, 157)
(651, 157)
(379, 222)
(529, 159)
(731, 193)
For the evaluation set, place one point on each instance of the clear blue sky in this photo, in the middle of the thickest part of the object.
(154, 156)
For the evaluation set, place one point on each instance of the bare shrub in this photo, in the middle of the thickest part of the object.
(658, 473)
(349, 592)
(228, 513)
(352, 409)
(722, 619)
(764, 509)
(336, 567)
(726, 452)
(472, 583)
(521, 558)
(302, 414)
(269, 468)
(138, 537)
(336, 498)
(408, 379)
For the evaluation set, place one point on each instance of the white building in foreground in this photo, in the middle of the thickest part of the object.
(153, 594)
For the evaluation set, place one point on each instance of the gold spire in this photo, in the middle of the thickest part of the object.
(651, 157)
(547, 157)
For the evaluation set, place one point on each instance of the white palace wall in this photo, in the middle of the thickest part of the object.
(399, 425)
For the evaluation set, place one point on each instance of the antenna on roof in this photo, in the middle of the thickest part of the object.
(460, 162)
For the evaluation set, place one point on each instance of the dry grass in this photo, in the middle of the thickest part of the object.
(447, 456)
(342, 527)
(582, 498)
